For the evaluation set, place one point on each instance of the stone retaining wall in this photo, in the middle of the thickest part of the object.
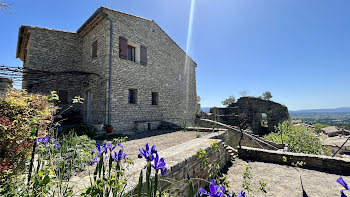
(320, 162)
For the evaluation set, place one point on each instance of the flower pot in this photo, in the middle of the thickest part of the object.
(109, 129)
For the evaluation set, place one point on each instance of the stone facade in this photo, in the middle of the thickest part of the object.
(67, 57)
(5, 83)
(252, 109)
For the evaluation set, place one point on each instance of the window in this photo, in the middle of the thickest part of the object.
(154, 98)
(94, 49)
(63, 96)
(132, 96)
(129, 50)
(264, 120)
(131, 53)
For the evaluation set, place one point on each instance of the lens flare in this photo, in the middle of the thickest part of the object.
(188, 48)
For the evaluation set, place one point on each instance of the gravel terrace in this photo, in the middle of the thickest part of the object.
(162, 141)
(284, 180)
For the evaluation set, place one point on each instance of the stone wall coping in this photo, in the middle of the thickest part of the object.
(315, 162)
(295, 154)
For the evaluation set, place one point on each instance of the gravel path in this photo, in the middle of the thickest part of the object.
(162, 141)
(284, 180)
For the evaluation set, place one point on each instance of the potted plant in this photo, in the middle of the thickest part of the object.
(109, 128)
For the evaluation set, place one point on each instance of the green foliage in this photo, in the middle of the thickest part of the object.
(79, 130)
(184, 125)
(76, 149)
(267, 95)
(319, 126)
(198, 135)
(262, 186)
(284, 158)
(202, 154)
(213, 168)
(300, 139)
(198, 115)
(21, 116)
(229, 101)
(247, 175)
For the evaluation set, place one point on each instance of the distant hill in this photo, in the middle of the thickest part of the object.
(335, 110)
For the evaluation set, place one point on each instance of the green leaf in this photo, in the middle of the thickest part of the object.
(139, 187)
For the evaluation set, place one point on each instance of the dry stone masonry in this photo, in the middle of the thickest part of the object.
(252, 109)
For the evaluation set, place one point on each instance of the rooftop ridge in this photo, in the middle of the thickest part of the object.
(110, 9)
(45, 28)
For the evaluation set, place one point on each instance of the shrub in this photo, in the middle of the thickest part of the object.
(78, 130)
(319, 126)
(300, 139)
(21, 116)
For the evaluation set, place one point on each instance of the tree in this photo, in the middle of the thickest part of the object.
(243, 93)
(229, 101)
(3, 6)
(300, 139)
(267, 95)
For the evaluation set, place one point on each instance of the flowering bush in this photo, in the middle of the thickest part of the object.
(21, 116)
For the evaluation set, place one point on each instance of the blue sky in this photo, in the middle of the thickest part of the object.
(298, 50)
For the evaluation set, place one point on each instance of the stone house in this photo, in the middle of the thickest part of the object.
(131, 74)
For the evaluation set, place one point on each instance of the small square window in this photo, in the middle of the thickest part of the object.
(132, 96)
(154, 98)
(94, 49)
(63, 96)
(131, 53)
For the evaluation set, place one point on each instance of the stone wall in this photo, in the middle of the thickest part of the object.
(169, 71)
(330, 164)
(252, 108)
(5, 83)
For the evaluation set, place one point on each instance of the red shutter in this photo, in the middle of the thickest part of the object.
(123, 47)
(143, 55)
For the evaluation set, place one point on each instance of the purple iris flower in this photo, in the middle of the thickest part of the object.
(100, 149)
(95, 160)
(147, 153)
(43, 140)
(345, 186)
(110, 146)
(46, 140)
(215, 190)
(159, 164)
(242, 194)
(121, 155)
(56, 145)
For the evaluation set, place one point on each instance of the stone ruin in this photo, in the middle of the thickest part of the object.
(260, 115)
(5, 83)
